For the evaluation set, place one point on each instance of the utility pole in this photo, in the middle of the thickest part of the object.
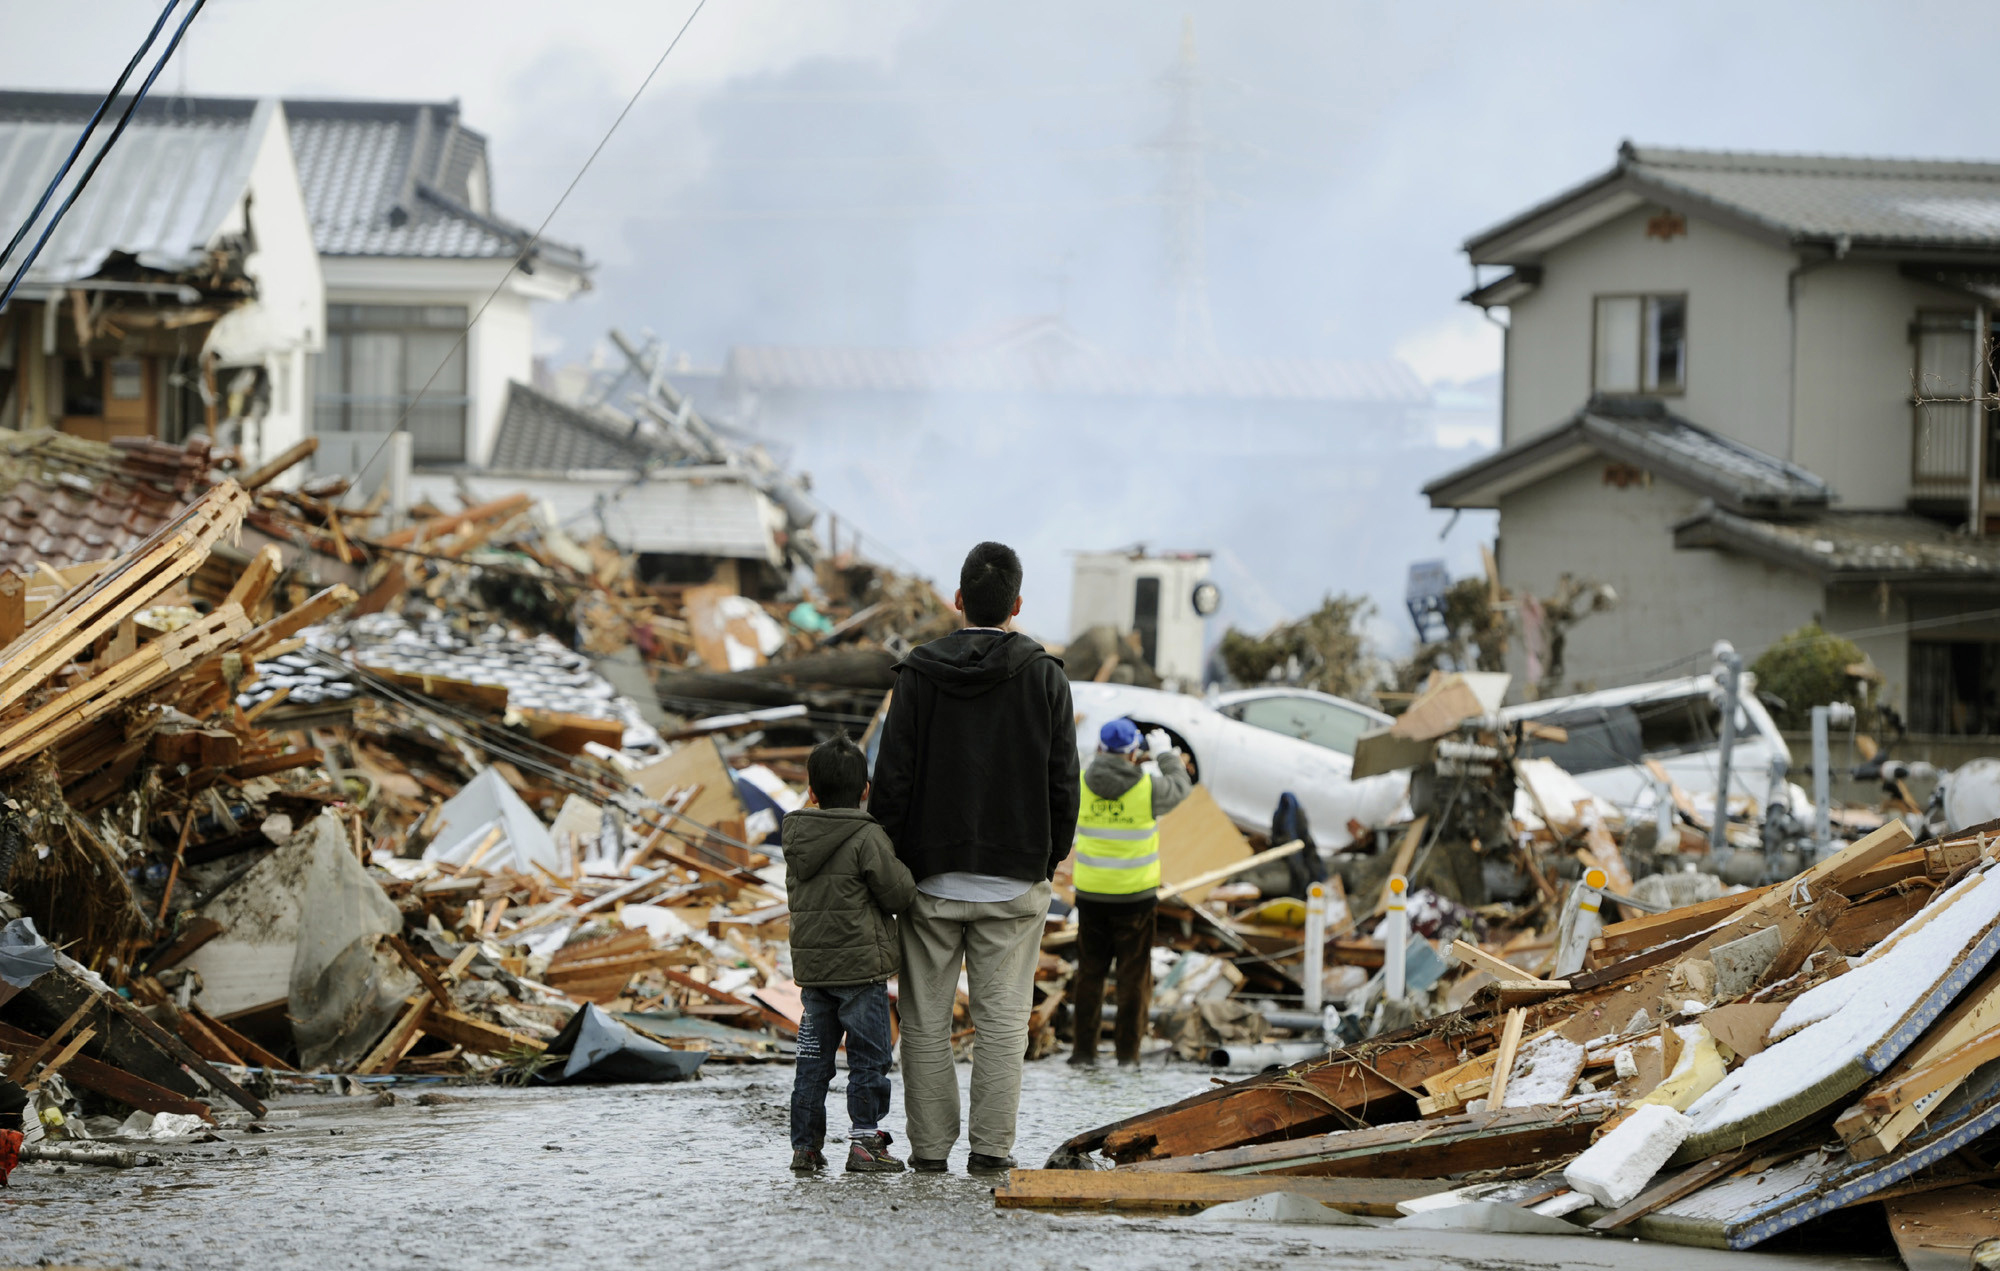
(1187, 206)
(1981, 354)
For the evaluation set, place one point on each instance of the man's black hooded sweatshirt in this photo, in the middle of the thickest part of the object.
(977, 770)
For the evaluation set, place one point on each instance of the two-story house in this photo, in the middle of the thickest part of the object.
(401, 200)
(1747, 392)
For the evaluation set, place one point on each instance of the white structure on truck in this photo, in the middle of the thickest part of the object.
(1166, 598)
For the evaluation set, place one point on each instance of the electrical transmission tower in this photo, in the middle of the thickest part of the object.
(1187, 205)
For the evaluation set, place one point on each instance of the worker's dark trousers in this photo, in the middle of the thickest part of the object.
(1104, 933)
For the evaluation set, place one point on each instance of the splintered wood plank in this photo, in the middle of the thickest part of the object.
(1938, 1230)
(53, 1066)
(1503, 1058)
(322, 604)
(457, 1029)
(1686, 1183)
(1507, 1138)
(432, 984)
(397, 1040)
(114, 1083)
(167, 556)
(1134, 1191)
(242, 1045)
(25, 1063)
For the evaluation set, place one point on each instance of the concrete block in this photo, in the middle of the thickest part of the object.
(1618, 1166)
(1741, 961)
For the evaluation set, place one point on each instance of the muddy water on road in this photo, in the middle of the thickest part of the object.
(690, 1175)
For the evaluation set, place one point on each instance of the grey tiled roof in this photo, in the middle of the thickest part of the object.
(401, 179)
(540, 434)
(1899, 200)
(162, 195)
(1849, 546)
(1646, 435)
(1916, 204)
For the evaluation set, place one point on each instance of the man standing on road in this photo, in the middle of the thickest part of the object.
(1117, 879)
(976, 783)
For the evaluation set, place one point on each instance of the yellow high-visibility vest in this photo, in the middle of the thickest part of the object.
(1118, 842)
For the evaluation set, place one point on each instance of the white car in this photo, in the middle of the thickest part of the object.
(1677, 723)
(1251, 746)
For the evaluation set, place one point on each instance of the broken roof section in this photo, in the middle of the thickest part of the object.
(66, 500)
(166, 195)
(1646, 435)
(406, 179)
(1834, 203)
(538, 433)
(1856, 547)
(708, 510)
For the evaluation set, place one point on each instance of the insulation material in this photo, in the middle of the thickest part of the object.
(1617, 1167)
(1699, 1070)
(1838, 1034)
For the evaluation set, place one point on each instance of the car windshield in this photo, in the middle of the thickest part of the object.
(1603, 737)
(1308, 719)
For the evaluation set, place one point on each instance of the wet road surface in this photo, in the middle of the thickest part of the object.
(683, 1176)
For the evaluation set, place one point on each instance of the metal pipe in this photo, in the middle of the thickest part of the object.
(1395, 939)
(1822, 779)
(1262, 1055)
(1315, 970)
(1732, 671)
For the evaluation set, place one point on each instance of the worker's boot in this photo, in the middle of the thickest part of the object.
(870, 1155)
(807, 1159)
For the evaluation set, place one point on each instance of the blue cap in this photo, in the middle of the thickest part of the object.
(1120, 736)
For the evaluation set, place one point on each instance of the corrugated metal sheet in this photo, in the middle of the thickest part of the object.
(686, 511)
(162, 194)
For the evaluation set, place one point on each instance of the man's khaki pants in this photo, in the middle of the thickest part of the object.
(999, 944)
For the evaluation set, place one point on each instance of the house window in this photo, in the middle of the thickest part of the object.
(378, 359)
(1640, 344)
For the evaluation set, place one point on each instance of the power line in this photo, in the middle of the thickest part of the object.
(98, 158)
(84, 136)
(536, 237)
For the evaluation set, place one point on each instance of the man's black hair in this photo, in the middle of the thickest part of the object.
(989, 583)
(837, 771)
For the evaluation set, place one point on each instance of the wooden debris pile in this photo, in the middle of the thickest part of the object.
(1719, 1073)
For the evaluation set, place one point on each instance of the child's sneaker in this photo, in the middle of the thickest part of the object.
(806, 1159)
(871, 1155)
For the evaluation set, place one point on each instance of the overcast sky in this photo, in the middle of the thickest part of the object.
(892, 172)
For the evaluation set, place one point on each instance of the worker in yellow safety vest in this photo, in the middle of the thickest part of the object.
(1117, 877)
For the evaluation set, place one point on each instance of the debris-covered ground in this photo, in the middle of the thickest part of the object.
(303, 799)
(681, 1174)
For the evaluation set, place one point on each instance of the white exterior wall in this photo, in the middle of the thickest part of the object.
(1854, 380)
(1738, 332)
(288, 319)
(500, 347)
(1671, 603)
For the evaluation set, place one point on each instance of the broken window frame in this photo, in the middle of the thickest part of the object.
(1646, 379)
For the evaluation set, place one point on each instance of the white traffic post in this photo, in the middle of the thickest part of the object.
(1395, 939)
(1581, 923)
(1315, 946)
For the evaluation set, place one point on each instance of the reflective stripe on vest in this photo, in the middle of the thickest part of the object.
(1117, 842)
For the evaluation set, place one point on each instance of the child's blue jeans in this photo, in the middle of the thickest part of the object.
(861, 1013)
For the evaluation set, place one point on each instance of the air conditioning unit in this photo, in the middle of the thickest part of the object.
(1166, 597)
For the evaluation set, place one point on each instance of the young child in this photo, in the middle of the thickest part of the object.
(844, 885)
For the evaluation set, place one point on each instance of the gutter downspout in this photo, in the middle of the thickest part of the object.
(1976, 496)
(1804, 267)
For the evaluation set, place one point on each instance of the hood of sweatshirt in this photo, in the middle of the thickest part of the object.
(1109, 776)
(970, 662)
(812, 835)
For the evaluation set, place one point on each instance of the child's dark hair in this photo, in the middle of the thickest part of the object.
(837, 771)
(989, 583)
